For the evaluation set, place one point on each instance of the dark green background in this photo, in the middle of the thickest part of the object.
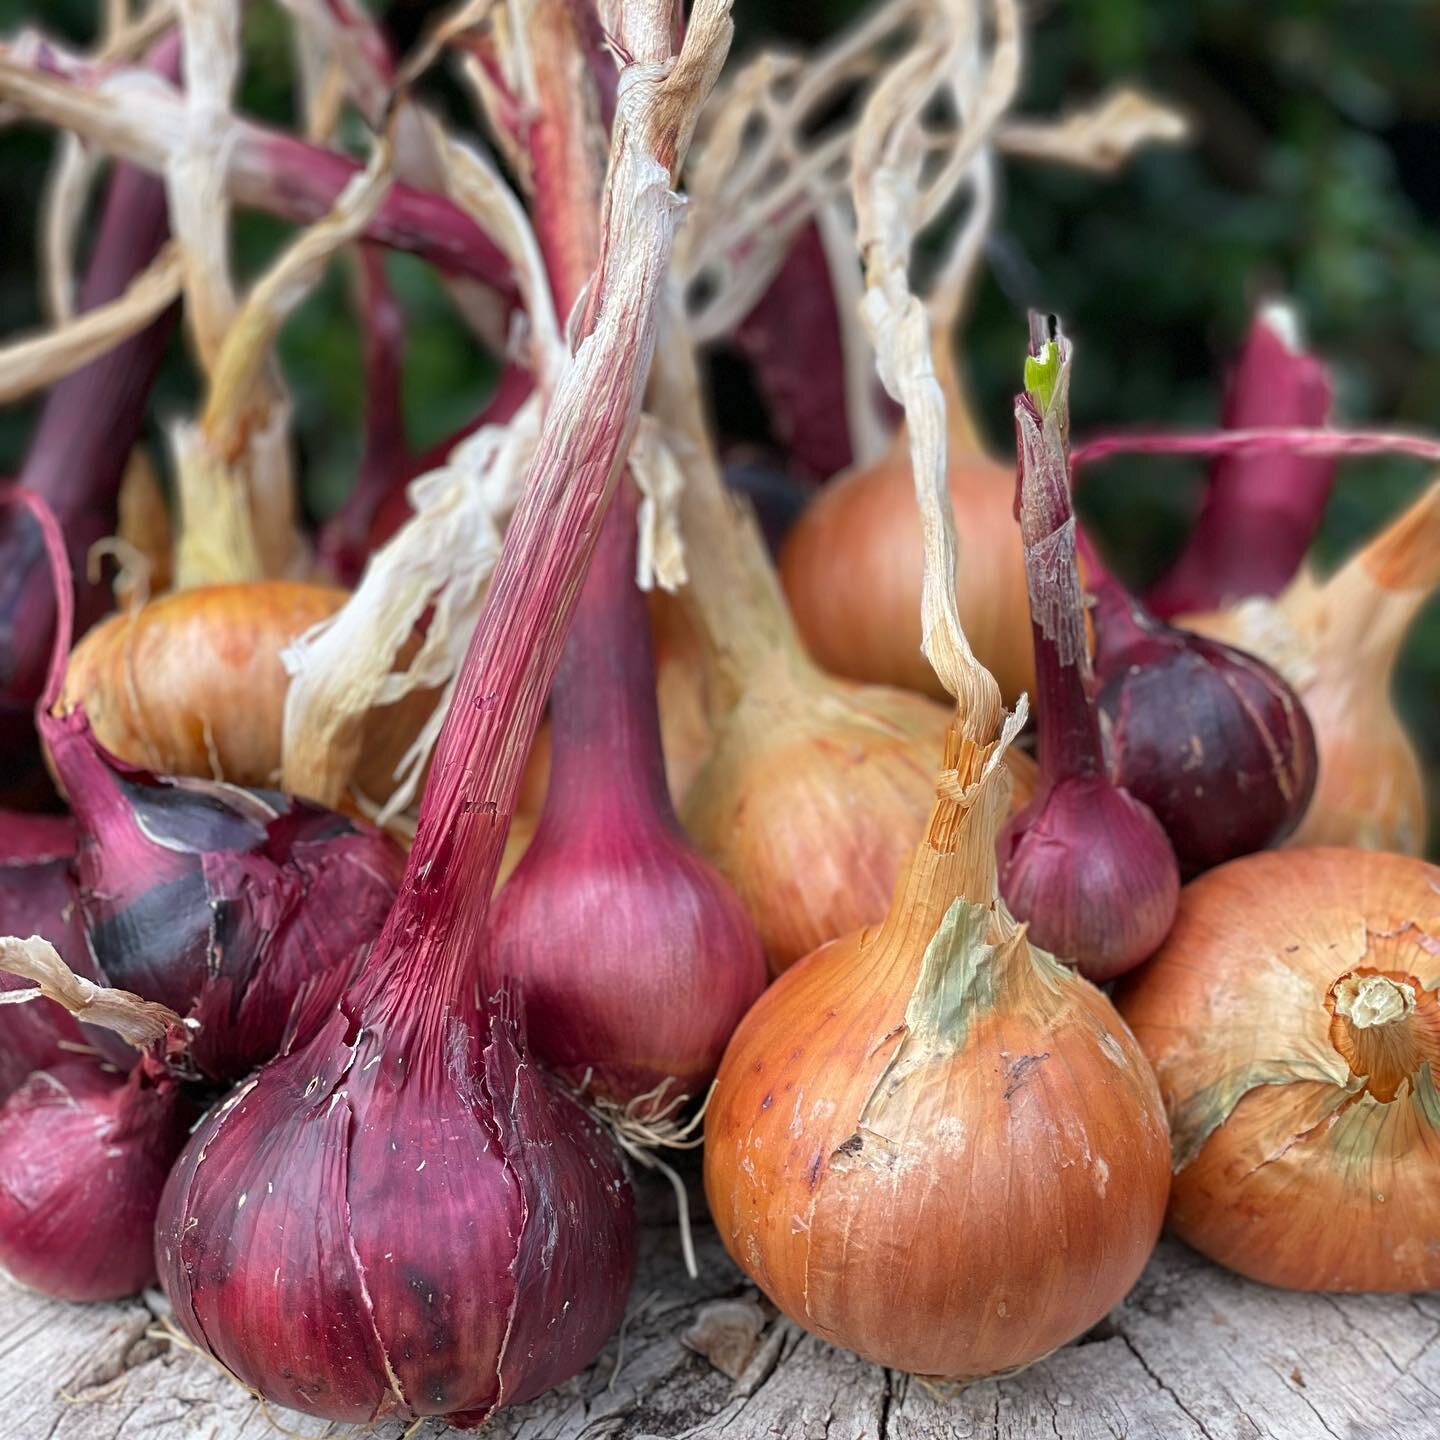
(1315, 171)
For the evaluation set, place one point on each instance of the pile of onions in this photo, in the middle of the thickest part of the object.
(1211, 739)
(1294, 1025)
(935, 1097)
(1261, 509)
(1085, 864)
(1337, 641)
(311, 1236)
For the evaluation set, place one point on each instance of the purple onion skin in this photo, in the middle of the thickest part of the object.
(84, 1155)
(1211, 739)
(1260, 512)
(1066, 856)
(26, 838)
(228, 905)
(39, 898)
(405, 1195)
(634, 959)
(90, 422)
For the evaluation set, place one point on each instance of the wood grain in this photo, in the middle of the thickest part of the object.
(1192, 1354)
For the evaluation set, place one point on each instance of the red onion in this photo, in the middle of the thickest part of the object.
(1210, 738)
(1085, 863)
(404, 1216)
(88, 426)
(225, 904)
(635, 959)
(84, 1155)
(1261, 510)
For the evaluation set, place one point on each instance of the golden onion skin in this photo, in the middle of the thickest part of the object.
(810, 803)
(851, 567)
(192, 683)
(1294, 1169)
(1008, 1200)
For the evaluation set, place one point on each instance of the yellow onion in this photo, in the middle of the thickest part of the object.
(1293, 1022)
(193, 683)
(852, 572)
(1337, 642)
(811, 799)
(930, 1142)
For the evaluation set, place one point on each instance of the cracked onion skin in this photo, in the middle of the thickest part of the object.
(228, 905)
(84, 1155)
(852, 574)
(962, 1212)
(1307, 1146)
(394, 1220)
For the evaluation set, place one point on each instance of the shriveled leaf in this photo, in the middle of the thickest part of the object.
(441, 561)
(32, 364)
(1099, 137)
(36, 960)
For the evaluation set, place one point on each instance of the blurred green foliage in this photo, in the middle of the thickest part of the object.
(1312, 173)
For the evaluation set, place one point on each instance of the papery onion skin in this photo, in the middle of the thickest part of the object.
(1289, 1169)
(193, 684)
(226, 905)
(851, 570)
(84, 1155)
(1071, 850)
(390, 1222)
(810, 802)
(1016, 1206)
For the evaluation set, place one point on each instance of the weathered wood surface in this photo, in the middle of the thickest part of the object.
(1193, 1354)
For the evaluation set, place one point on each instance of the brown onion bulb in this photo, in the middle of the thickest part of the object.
(1293, 1023)
(1337, 643)
(193, 683)
(852, 573)
(811, 800)
(929, 1142)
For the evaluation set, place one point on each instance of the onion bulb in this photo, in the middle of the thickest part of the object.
(929, 1142)
(851, 569)
(815, 788)
(1337, 642)
(193, 683)
(84, 1154)
(1211, 738)
(1085, 864)
(1294, 1024)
